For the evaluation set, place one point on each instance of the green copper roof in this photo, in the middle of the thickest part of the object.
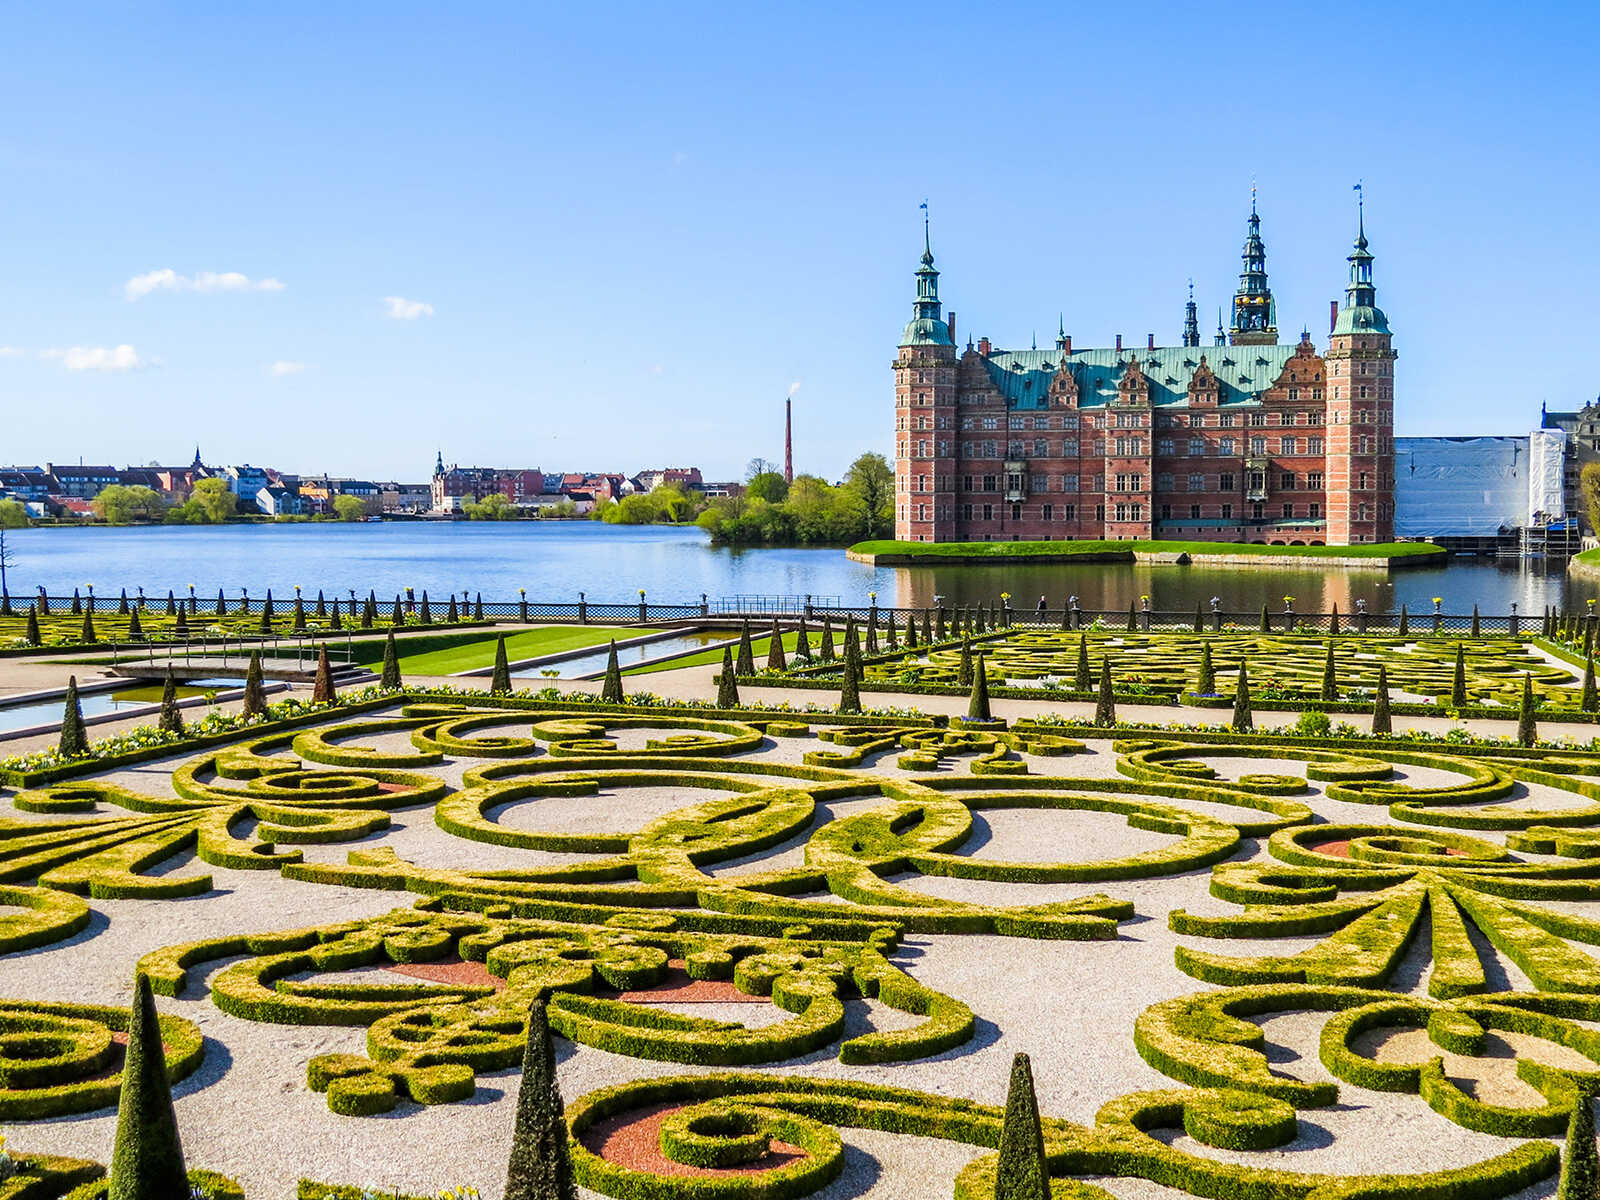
(926, 331)
(1243, 372)
(1361, 318)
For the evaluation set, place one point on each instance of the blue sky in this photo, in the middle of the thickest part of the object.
(616, 236)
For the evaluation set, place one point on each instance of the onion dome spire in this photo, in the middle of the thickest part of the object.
(1361, 313)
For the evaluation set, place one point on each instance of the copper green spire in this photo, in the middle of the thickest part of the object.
(1191, 320)
(1361, 313)
(927, 327)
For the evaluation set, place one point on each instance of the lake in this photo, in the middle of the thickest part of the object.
(554, 560)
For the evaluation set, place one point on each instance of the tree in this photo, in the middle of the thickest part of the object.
(1458, 680)
(349, 508)
(541, 1162)
(493, 507)
(745, 663)
(255, 700)
(760, 466)
(1380, 704)
(1206, 683)
(13, 515)
(74, 741)
(1105, 705)
(1243, 719)
(1588, 701)
(171, 715)
(500, 682)
(870, 483)
(727, 685)
(776, 659)
(769, 486)
(1589, 485)
(322, 690)
(390, 678)
(1022, 1172)
(211, 503)
(8, 559)
(611, 690)
(850, 689)
(147, 1157)
(1330, 678)
(118, 505)
(978, 704)
(1527, 729)
(1082, 679)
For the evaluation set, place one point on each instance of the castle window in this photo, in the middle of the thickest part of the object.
(1047, 512)
(1069, 447)
(1166, 512)
(1041, 448)
(1163, 445)
(1314, 445)
(1018, 423)
(1016, 512)
(1099, 512)
(1225, 446)
(1069, 422)
(1069, 512)
(1313, 511)
(1225, 420)
(1197, 447)
(1225, 481)
(1286, 446)
(966, 483)
(1288, 510)
(1316, 393)
(991, 422)
(1258, 418)
(1258, 511)
(1196, 482)
(1287, 481)
(989, 485)
(1069, 483)
(966, 512)
(989, 449)
(966, 449)
(1258, 445)
(1294, 393)
(1314, 482)
(1363, 484)
(1194, 512)
(1227, 512)
(1039, 483)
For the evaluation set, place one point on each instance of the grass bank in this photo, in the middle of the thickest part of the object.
(476, 650)
(892, 553)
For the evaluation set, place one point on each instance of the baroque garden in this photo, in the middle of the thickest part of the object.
(1271, 911)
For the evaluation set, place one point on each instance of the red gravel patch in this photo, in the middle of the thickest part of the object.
(456, 972)
(633, 1140)
(394, 787)
(1334, 849)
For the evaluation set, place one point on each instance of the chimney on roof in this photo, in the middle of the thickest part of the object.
(1150, 341)
(1066, 344)
(1333, 315)
(1119, 341)
(952, 327)
(983, 346)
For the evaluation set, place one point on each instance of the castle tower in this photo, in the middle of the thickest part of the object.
(925, 413)
(1191, 320)
(1360, 449)
(1255, 313)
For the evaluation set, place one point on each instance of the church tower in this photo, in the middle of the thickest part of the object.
(1360, 469)
(1255, 313)
(1191, 320)
(925, 413)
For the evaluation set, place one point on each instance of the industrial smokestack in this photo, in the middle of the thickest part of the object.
(788, 441)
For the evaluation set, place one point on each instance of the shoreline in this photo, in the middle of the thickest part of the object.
(911, 554)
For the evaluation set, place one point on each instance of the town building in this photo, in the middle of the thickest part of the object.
(686, 478)
(1247, 440)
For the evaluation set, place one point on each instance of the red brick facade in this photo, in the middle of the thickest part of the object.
(1255, 442)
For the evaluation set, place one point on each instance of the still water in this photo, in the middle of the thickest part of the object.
(554, 560)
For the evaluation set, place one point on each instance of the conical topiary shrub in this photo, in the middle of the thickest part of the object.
(892, 638)
(266, 613)
(171, 720)
(452, 614)
(745, 662)
(222, 604)
(927, 628)
(1405, 621)
(1199, 618)
(77, 602)
(477, 606)
(1330, 678)
(336, 622)
(825, 649)
(1476, 628)
(850, 689)
(87, 635)
(541, 1162)
(1588, 702)
(369, 611)
(611, 689)
(727, 684)
(1105, 704)
(424, 612)
(147, 1157)
(74, 741)
(802, 643)
(938, 624)
(32, 632)
(776, 659)
(122, 604)
(1527, 727)
(1022, 1172)
(872, 630)
(1266, 620)
(500, 681)
(1205, 683)
(1380, 704)
(1083, 678)
(322, 688)
(322, 606)
(299, 614)
(1458, 680)
(911, 632)
(1333, 622)
(255, 700)
(1133, 617)
(1580, 1174)
(397, 614)
(1243, 720)
(180, 627)
(964, 668)
(978, 705)
(389, 679)
(135, 625)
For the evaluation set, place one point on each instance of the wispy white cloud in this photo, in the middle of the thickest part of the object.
(402, 309)
(11, 351)
(96, 358)
(285, 367)
(168, 280)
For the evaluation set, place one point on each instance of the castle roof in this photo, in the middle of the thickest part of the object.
(1243, 372)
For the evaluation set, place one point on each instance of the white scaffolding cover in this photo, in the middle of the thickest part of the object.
(1547, 494)
(1462, 487)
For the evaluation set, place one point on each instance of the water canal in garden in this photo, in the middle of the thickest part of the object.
(555, 560)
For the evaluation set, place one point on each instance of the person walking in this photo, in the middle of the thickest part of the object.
(1041, 606)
